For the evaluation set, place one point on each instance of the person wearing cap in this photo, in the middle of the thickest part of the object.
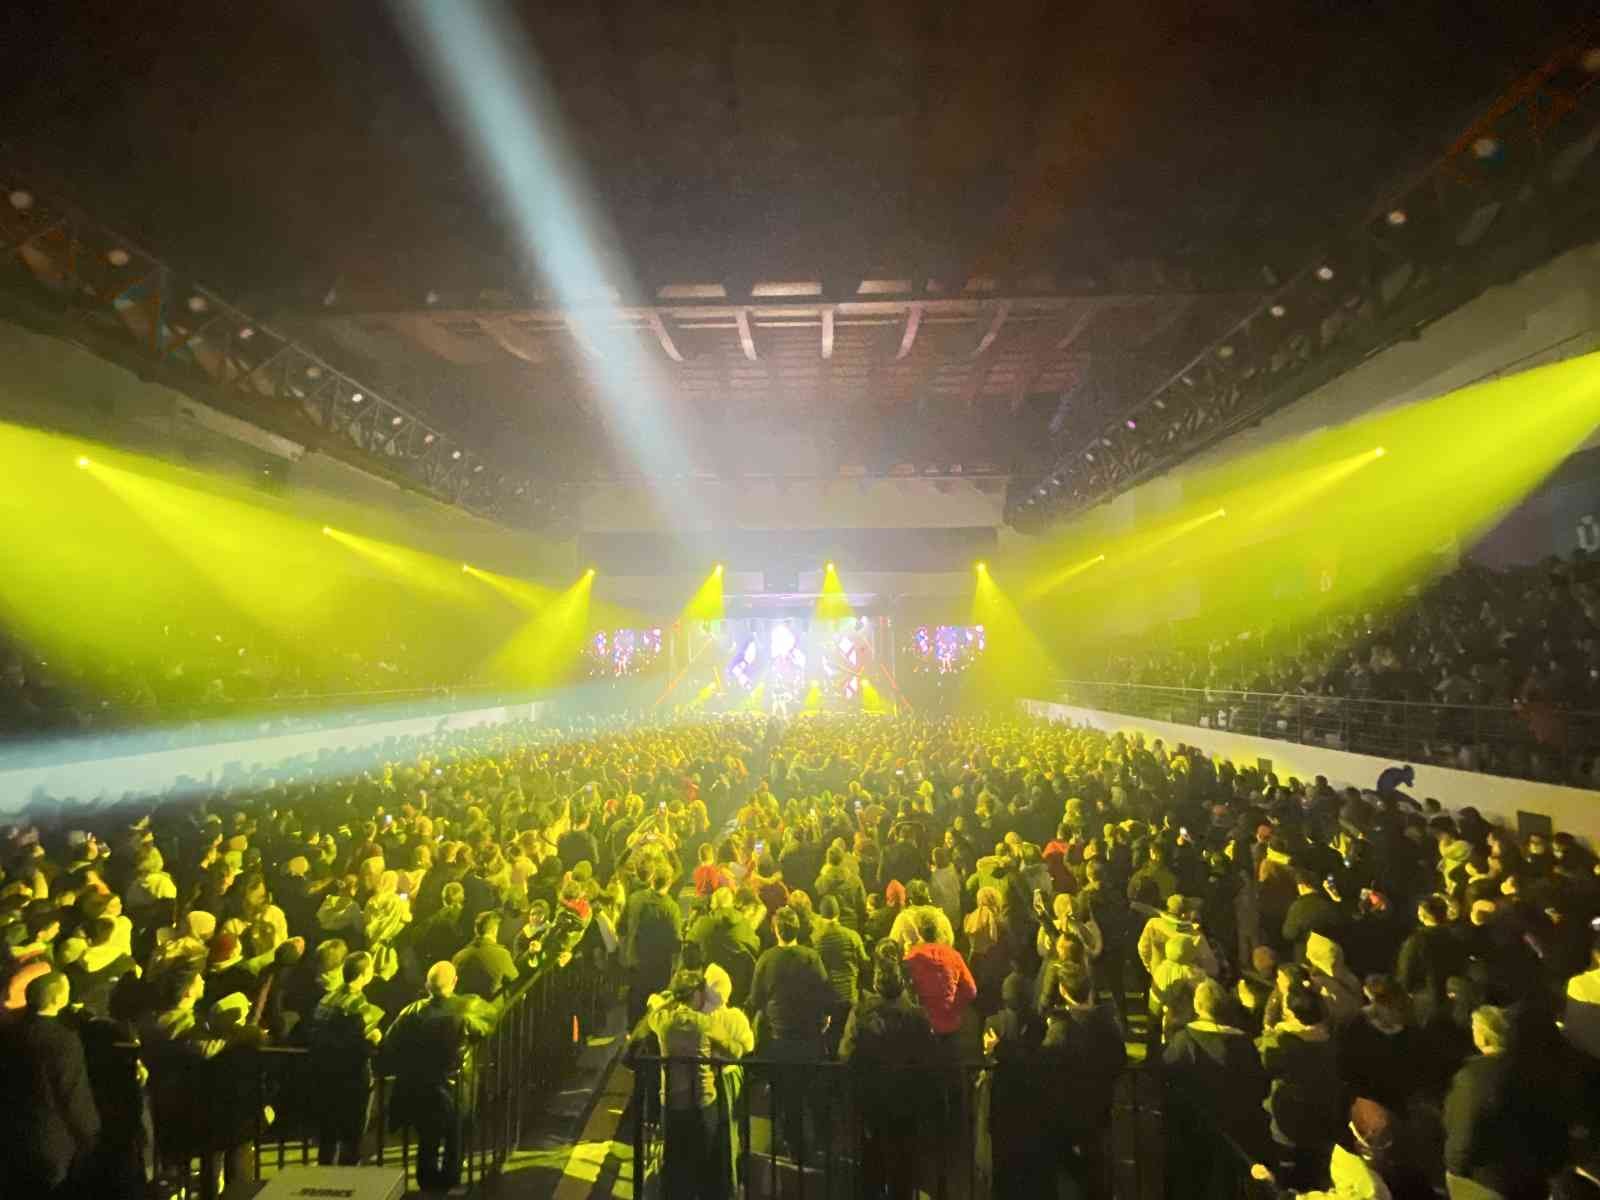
(50, 1123)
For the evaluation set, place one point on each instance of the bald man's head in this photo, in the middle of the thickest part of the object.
(441, 979)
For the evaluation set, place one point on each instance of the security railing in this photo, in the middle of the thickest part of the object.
(956, 1131)
(537, 1033)
(1531, 740)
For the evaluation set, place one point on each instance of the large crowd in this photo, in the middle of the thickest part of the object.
(1351, 990)
(1500, 670)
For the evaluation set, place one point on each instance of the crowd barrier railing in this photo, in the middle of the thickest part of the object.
(1528, 741)
(930, 1130)
(537, 1034)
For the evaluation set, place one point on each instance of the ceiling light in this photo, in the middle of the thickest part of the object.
(397, 422)
(1590, 61)
(313, 372)
(1486, 147)
(1088, 456)
(1161, 406)
(1224, 351)
(431, 298)
(1396, 217)
(1324, 272)
(356, 398)
(117, 257)
(427, 439)
(1278, 310)
(21, 201)
(83, 463)
(198, 304)
(247, 333)
(478, 470)
(455, 455)
(1131, 423)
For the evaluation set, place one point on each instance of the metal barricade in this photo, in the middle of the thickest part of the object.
(809, 1129)
(533, 1044)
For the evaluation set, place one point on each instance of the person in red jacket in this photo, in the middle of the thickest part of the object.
(708, 876)
(942, 982)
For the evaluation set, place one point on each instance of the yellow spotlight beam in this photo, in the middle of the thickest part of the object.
(832, 602)
(706, 604)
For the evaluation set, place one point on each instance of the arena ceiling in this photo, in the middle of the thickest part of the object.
(930, 237)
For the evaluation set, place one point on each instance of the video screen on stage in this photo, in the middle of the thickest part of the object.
(620, 653)
(945, 649)
(786, 663)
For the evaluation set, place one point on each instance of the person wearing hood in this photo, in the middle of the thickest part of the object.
(1303, 1099)
(1175, 919)
(1172, 986)
(1334, 982)
(1353, 1174)
(908, 925)
(1214, 1083)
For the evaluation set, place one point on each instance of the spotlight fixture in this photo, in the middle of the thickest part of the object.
(1088, 456)
(1486, 147)
(427, 439)
(828, 566)
(1396, 217)
(981, 566)
(356, 397)
(455, 455)
(478, 469)
(246, 333)
(313, 372)
(1379, 452)
(1224, 351)
(328, 529)
(716, 569)
(397, 422)
(1324, 272)
(1161, 406)
(117, 257)
(589, 574)
(1131, 423)
(21, 201)
(1278, 310)
(83, 463)
(466, 569)
(198, 304)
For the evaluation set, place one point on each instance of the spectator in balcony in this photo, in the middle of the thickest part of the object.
(424, 1049)
(51, 1124)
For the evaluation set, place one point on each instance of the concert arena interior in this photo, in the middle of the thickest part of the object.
(908, 600)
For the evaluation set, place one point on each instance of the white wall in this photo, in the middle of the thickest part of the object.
(1499, 799)
(160, 772)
